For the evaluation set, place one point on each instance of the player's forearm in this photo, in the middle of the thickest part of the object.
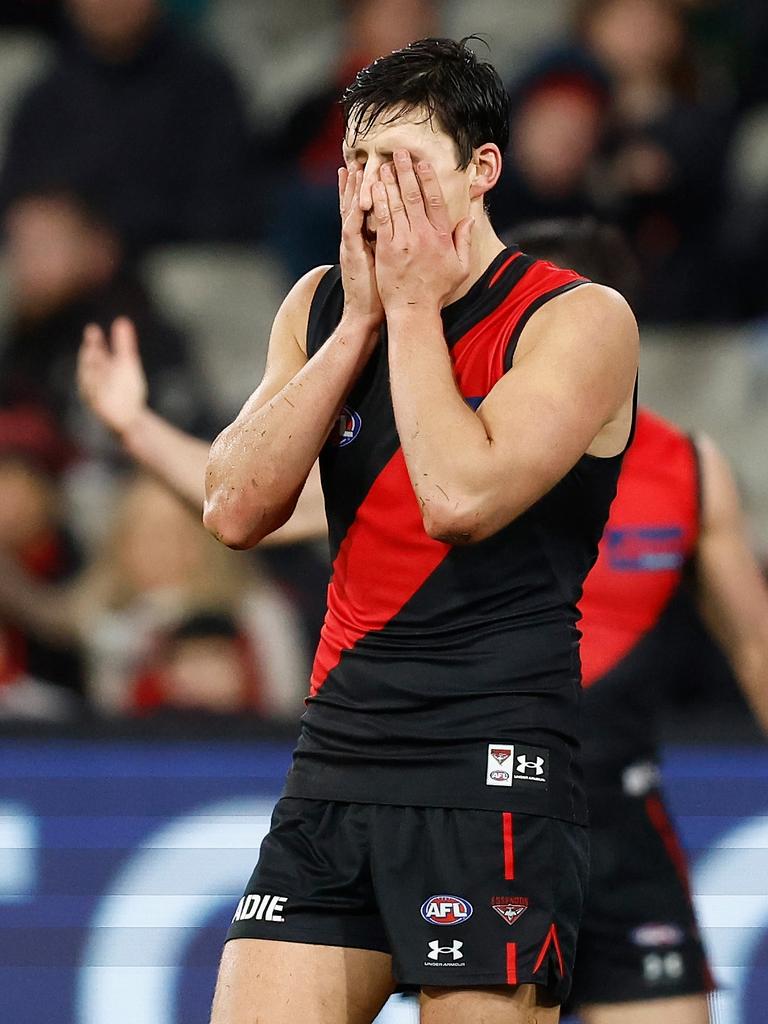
(445, 444)
(176, 458)
(258, 465)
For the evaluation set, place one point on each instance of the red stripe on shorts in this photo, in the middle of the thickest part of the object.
(509, 847)
(551, 939)
(511, 963)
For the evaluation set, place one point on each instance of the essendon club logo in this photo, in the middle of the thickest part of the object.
(509, 907)
(501, 754)
(347, 427)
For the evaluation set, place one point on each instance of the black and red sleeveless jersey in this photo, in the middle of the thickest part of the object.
(649, 540)
(448, 676)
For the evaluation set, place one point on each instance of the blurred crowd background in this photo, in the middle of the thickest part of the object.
(175, 161)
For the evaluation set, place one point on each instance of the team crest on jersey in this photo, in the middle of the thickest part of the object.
(347, 427)
(444, 910)
(517, 765)
(509, 908)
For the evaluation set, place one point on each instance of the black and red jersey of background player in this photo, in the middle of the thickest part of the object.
(432, 656)
(646, 550)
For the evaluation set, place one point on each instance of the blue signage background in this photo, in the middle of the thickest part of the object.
(121, 863)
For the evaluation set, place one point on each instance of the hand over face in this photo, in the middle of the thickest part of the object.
(361, 295)
(420, 260)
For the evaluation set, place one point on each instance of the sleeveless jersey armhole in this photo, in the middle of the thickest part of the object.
(536, 304)
(330, 279)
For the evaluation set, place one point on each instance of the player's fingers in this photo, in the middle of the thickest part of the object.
(410, 189)
(93, 349)
(343, 176)
(91, 359)
(394, 199)
(351, 228)
(93, 338)
(434, 202)
(381, 211)
(347, 175)
(124, 340)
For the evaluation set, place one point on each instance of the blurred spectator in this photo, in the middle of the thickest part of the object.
(37, 678)
(557, 125)
(66, 267)
(137, 113)
(206, 663)
(159, 567)
(664, 156)
(307, 152)
(157, 570)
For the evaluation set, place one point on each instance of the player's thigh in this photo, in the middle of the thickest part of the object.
(678, 1010)
(270, 982)
(519, 1004)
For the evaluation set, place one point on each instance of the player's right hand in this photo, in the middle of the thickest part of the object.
(358, 275)
(110, 375)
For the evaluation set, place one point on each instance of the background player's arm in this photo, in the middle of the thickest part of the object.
(112, 382)
(731, 589)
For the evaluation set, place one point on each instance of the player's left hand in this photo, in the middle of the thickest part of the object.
(420, 259)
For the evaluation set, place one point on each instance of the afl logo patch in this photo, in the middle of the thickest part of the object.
(446, 910)
(347, 427)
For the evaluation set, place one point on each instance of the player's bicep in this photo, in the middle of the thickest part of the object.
(570, 385)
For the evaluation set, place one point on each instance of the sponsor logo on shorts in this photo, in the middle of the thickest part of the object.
(661, 967)
(509, 908)
(260, 908)
(657, 934)
(446, 910)
(347, 427)
(526, 765)
(437, 955)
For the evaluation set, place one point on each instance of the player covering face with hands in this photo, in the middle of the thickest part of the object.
(469, 406)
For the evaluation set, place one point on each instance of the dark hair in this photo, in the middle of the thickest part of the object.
(595, 250)
(445, 78)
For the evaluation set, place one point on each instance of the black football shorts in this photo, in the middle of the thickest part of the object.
(638, 939)
(457, 897)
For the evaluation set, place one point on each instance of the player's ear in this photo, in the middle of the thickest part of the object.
(486, 161)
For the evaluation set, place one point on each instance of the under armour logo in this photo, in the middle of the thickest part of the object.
(436, 950)
(536, 766)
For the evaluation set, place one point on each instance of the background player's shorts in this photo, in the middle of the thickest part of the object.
(457, 897)
(638, 939)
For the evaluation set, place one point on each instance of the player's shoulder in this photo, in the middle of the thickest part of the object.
(595, 303)
(298, 302)
(592, 317)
